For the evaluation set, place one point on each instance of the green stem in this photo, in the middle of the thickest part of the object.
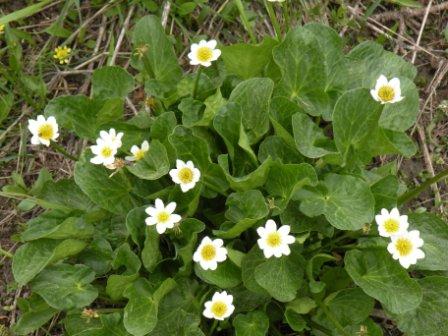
(285, 6)
(57, 147)
(273, 19)
(213, 327)
(334, 320)
(406, 197)
(245, 21)
(196, 81)
(5, 253)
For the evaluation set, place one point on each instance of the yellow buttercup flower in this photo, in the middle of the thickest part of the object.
(62, 54)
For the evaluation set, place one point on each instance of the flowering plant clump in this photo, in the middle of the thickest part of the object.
(244, 199)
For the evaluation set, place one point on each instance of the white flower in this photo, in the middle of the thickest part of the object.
(138, 153)
(391, 223)
(104, 152)
(185, 174)
(274, 242)
(220, 307)
(162, 216)
(43, 131)
(112, 136)
(405, 248)
(204, 53)
(387, 91)
(209, 253)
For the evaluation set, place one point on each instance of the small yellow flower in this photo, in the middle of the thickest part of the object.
(62, 54)
(2, 28)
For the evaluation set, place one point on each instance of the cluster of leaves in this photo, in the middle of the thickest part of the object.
(283, 130)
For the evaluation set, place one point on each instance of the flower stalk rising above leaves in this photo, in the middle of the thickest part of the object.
(406, 248)
(62, 54)
(163, 217)
(387, 91)
(185, 174)
(209, 253)
(138, 152)
(391, 223)
(219, 307)
(43, 130)
(274, 242)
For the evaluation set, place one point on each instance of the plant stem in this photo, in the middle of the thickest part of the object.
(213, 327)
(5, 253)
(273, 19)
(58, 148)
(196, 81)
(245, 21)
(334, 320)
(406, 197)
(285, 7)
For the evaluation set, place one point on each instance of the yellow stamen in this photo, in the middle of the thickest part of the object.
(185, 175)
(62, 54)
(274, 239)
(219, 308)
(386, 93)
(403, 246)
(106, 152)
(204, 54)
(163, 216)
(139, 154)
(45, 131)
(208, 252)
(391, 225)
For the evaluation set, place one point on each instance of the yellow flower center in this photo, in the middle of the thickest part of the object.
(185, 175)
(208, 252)
(219, 308)
(386, 93)
(391, 225)
(204, 54)
(45, 131)
(62, 54)
(139, 154)
(163, 216)
(106, 151)
(274, 239)
(403, 246)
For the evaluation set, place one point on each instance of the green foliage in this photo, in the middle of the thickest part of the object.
(284, 130)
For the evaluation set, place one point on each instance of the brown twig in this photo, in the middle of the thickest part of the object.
(408, 12)
(420, 33)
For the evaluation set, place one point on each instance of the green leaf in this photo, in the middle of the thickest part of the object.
(281, 111)
(97, 255)
(135, 224)
(111, 82)
(66, 193)
(253, 95)
(244, 209)
(284, 179)
(350, 306)
(250, 262)
(430, 317)
(227, 275)
(385, 192)
(301, 62)
(154, 164)
(190, 227)
(345, 201)
(106, 325)
(255, 323)
(31, 258)
(355, 118)
(6, 103)
(434, 232)
(65, 286)
(277, 149)
(401, 115)
(384, 279)
(82, 115)
(196, 113)
(36, 315)
(155, 52)
(110, 193)
(247, 61)
(309, 138)
(140, 313)
(151, 254)
(281, 277)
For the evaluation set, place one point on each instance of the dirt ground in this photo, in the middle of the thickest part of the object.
(420, 35)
